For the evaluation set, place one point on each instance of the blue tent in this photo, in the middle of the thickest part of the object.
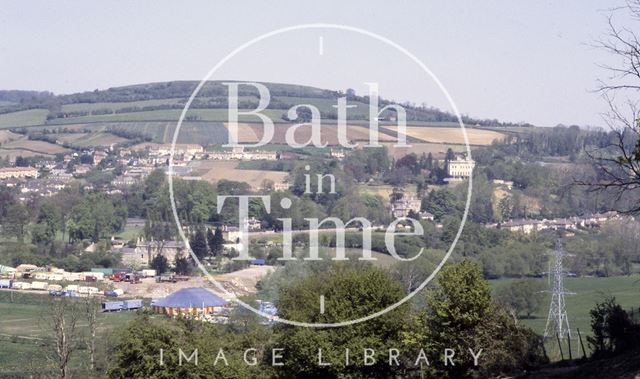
(194, 297)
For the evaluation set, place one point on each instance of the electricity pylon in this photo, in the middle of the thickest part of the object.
(557, 320)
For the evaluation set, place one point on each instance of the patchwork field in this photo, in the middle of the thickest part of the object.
(162, 115)
(117, 106)
(214, 171)
(7, 136)
(23, 118)
(103, 139)
(71, 137)
(252, 133)
(451, 135)
(12, 154)
(247, 133)
(36, 146)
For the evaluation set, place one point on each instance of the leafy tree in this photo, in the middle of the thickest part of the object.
(216, 242)
(15, 221)
(460, 315)
(521, 296)
(613, 329)
(182, 265)
(136, 354)
(441, 202)
(160, 264)
(349, 292)
(198, 243)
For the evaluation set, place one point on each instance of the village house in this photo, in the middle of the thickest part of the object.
(336, 153)
(527, 226)
(144, 252)
(99, 156)
(281, 186)
(404, 205)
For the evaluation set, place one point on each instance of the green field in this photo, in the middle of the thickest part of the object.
(588, 291)
(89, 107)
(384, 190)
(25, 339)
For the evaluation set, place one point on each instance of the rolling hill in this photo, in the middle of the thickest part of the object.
(150, 111)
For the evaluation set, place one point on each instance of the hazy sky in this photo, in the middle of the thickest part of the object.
(517, 61)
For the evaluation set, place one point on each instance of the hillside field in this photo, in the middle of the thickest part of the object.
(451, 135)
(35, 146)
(214, 171)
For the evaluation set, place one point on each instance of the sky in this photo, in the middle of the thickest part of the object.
(515, 61)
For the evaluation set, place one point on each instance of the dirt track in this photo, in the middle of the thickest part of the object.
(239, 283)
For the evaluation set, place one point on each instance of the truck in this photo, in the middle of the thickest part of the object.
(132, 278)
(110, 306)
(165, 278)
(117, 277)
(5, 283)
(132, 304)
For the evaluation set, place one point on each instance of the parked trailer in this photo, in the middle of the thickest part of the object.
(6, 283)
(41, 276)
(148, 273)
(88, 290)
(21, 285)
(132, 304)
(39, 286)
(104, 271)
(110, 306)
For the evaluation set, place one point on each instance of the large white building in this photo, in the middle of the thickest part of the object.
(460, 168)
